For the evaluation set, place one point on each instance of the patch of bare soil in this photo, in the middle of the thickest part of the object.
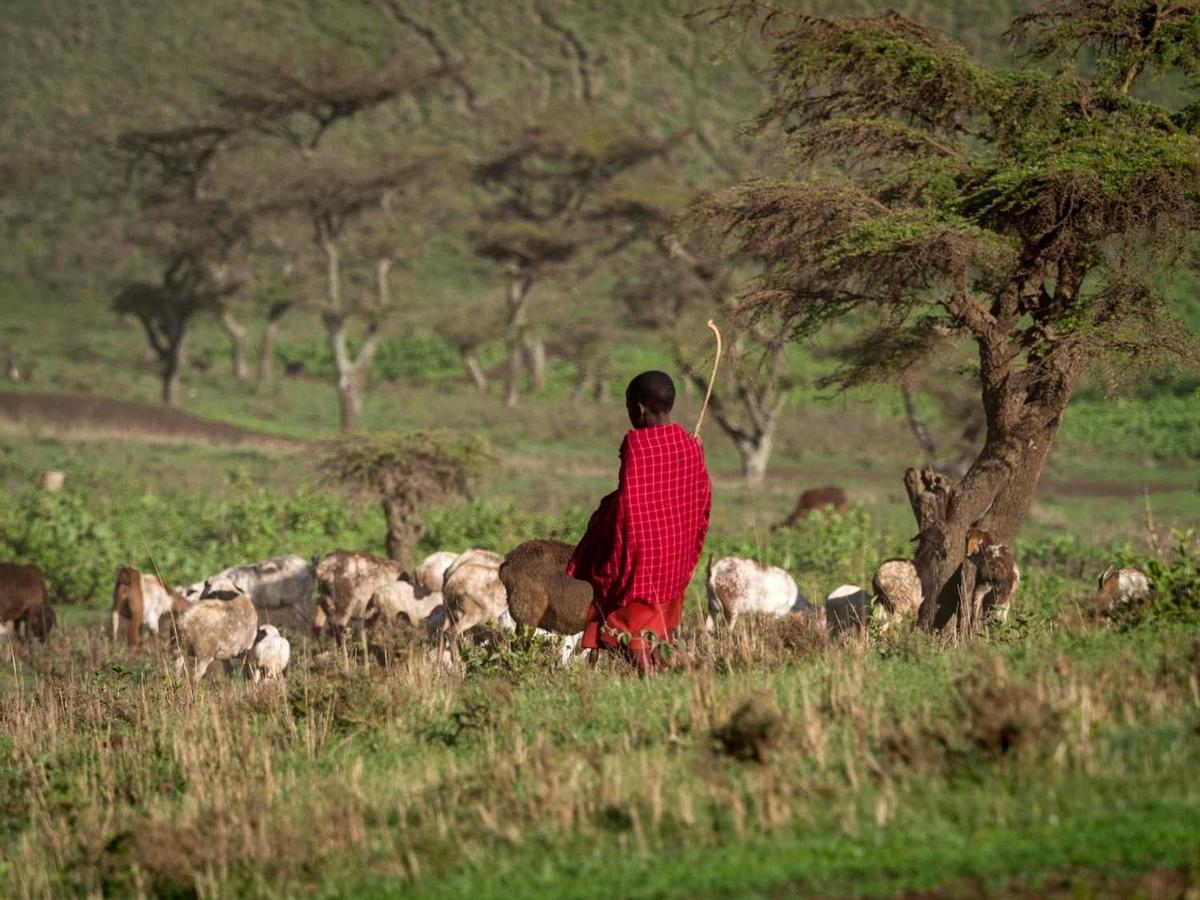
(82, 416)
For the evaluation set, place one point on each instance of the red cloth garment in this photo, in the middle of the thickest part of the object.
(643, 542)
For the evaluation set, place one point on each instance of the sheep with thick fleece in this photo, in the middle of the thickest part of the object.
(472, 590)
(736, 585)
(270, 654)
(897, 590)
(430, 575)
(222, 625)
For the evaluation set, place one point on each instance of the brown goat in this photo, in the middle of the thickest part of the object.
(996, 574)
(540, 593)
(828, 497)
(143, 600)
(23, 597)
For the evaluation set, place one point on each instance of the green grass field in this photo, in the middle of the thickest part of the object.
(1055, 755)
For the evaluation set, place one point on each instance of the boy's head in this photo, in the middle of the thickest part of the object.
(649, 399)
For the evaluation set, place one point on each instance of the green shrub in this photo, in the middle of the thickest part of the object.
(415, 357)
(59, 533)
(1176, 585)
(180, 536)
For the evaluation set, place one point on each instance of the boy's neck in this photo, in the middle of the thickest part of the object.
(653, 421)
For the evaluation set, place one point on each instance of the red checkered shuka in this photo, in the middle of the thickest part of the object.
(644, 540)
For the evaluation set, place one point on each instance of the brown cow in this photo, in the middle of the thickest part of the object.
(23, 598)
(828, 497)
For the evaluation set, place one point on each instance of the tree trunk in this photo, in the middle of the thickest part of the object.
(266, 345)
(172, 366)
(478, 376)
(404, 531)
(519, 281)
(754, 453)
(237, 342)
(534, 353)
(995, 495)
(351, 370)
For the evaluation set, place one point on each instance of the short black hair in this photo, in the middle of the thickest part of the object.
(654, 390)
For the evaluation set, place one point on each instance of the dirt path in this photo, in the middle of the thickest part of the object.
(95, 417)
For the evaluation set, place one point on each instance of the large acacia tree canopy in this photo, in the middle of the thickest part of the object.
(1033, 211)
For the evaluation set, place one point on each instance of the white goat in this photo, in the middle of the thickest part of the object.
(270, 654)
(430, 575)
(221, 626)
(737, 585)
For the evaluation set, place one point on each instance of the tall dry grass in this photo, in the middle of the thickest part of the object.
(125, 780)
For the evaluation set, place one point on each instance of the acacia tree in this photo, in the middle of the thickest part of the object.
(188, 225)
(543, 178)
(406, 474)
(1032, 214)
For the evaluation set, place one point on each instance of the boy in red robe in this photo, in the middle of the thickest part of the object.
(643, 542)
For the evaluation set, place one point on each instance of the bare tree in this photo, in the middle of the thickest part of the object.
(186, 223)
(299, 107)
(1033, 215)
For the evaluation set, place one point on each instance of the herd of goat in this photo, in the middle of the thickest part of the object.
(232, 614)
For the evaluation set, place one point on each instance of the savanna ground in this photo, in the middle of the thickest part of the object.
(1054, 755)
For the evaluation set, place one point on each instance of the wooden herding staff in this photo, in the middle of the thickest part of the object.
(711, 381)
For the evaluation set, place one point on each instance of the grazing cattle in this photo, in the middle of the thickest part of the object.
(829, 497)
(270, 654)
(346, 581)
(996, 574)
(431, 573)
(897, 590)
(23, 596)
(847, 608)
(399, 598)
(1120, 587)
(472, 590)
(737, 585)
(223, 625)
(271, 584)
(142, 599)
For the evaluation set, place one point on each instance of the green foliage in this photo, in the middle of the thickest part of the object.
(1165, 426)
(58, 532)
(498, 527)
(424, 356)
(1175, 593)
(181, 536)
